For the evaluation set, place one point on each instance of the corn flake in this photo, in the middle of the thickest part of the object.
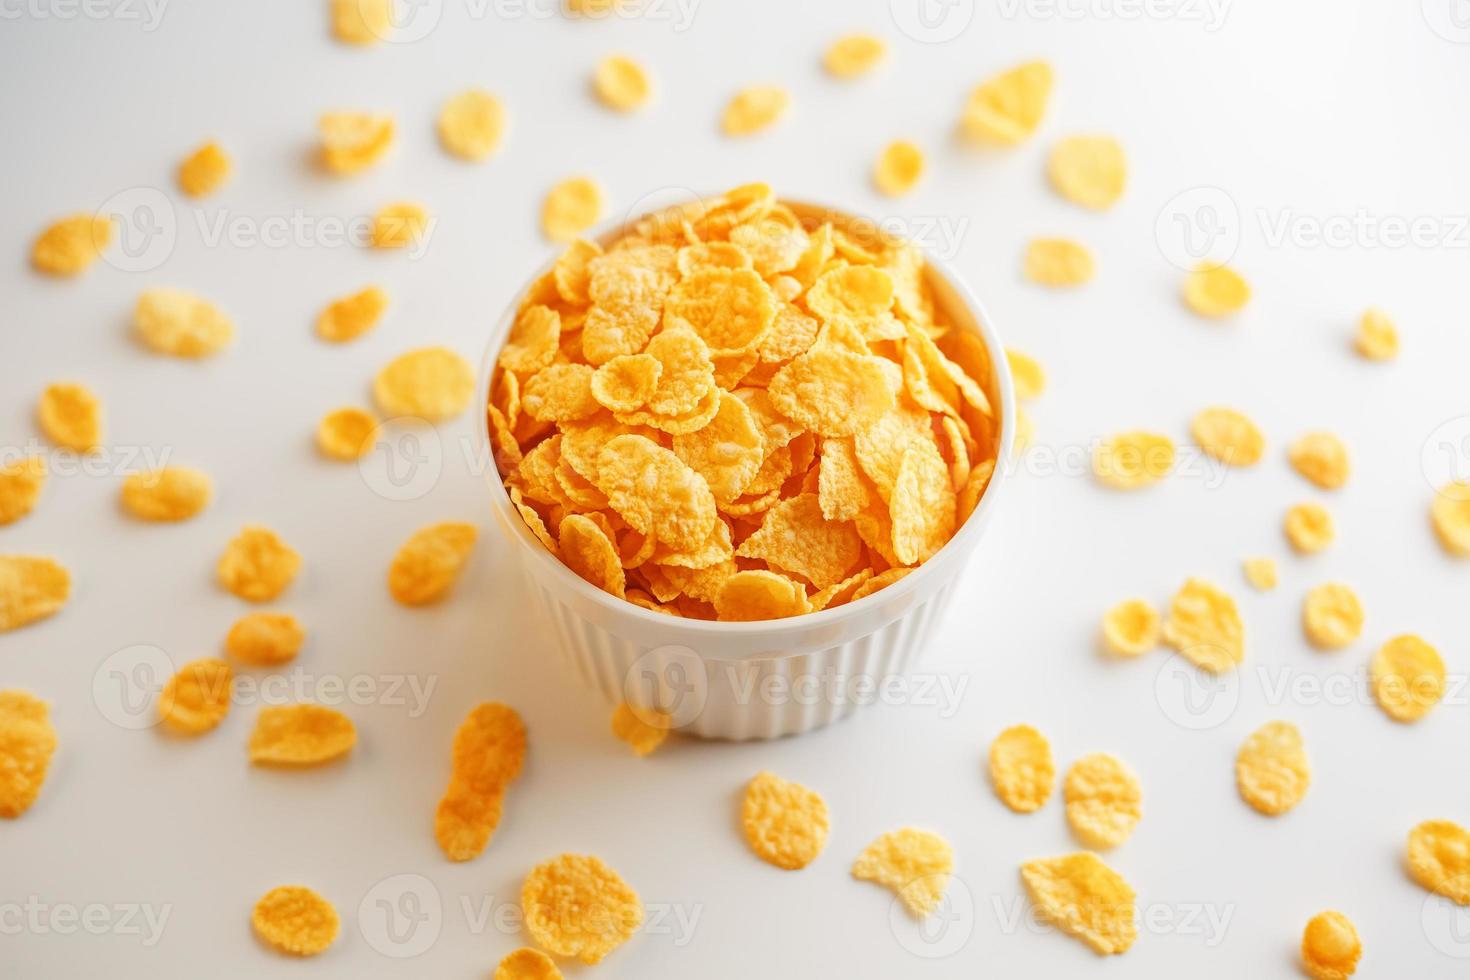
(579, 907)
(853, 55)
(205, 170)
(296, 920)
(754, 109)
(1007, 108)
(589, 552)
(1408, 678)
(489, 751)
(346, 433)
(1204, 626)
(431, 383)
(300, 735)
(399, 225)
(571, 207)
(1309, 528)
(622, 83)
(1026, 374)
(627, 382)
(1131, 628)
(1260, 573)
(1058, 262)
(1228, 436)
(656, 492)
(1332, 616)
(351, 142)
(899, 168)
(1378, 338)
(1213, 290)
(472, 124)
(728, 452)
(173, 493)
(560, 393)
(352, 316)
(171, 321)
(1131, 460)
(759, 594)
(832, 392)
(70, 246)
(1330, 947)
(21, 483)
(1449, 512)
(430, 562)
(197, 697)
(1438, 857)
(1272, 771)
(1088, 170)
(265, 639)
(527, 964)
(27, 742)
(1021, 768)
(644, 729)
(1085, 898)
(1322, 458)
(923, 504)
(31, 589)
(71, 416)
(257, 565)
(1104, 800)
(785, 823)
(362, 22)
(915, 864)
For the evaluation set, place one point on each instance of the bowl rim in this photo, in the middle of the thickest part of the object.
(609, 230)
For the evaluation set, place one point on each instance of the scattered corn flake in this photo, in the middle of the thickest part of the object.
(915, 864)
(854, 54)
(589, 552)
(352, 316)
(1204, 626)
(472, 124)
(71, 245)
(171, 493)
(1058, 262)
(570, 208)
(785, 823)
(557, 895)
(1026, 374)
(351, 142)
(924, 504)
(1309, 528)
(1131, 460)
(832, 392)
(399, 225)
(489, 751)
(1260, 573)
(1272, 770)
(795, 537)
(294, 735)
(27, 742)
(1131, 628)
(430, 383)
(21, 483)
(1104, 800)
(362, 22)
(1021, 768)
(466, 819)
(346, 433)
(1007, 109)
(760, 594)
(527, 964)
(899, 168)
(296, 920)
(257, 565)
(197, 697)
(644, 729)
(430, 562)
(171, 321)
(622, 83)
(31, 589)
(263, 639)
(71, 416)
(1449, 512)
(1408, 678)
(754, 109)
(1088, 170)
(1378, 338)
(1322, 458)
(1085, 898)
(1332, 616)
(1438, 857)
(1330, 947)
(1229, 436)
(1214, 290)
(205, 170)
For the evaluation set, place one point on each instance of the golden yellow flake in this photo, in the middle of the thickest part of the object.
(1058, 262)
(1021, 768)
(785, 823)
(556, 896)
(1088, 170)
(1272, 771)
(295, 920)
(472, 124)
(854, 54)
(205, 170)
(1408, 678)
(754, 109)
(622, 83)
(1332, 616)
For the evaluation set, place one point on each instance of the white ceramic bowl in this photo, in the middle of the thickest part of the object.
(761, 679)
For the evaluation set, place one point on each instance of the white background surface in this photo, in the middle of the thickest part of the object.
(1311, 111)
